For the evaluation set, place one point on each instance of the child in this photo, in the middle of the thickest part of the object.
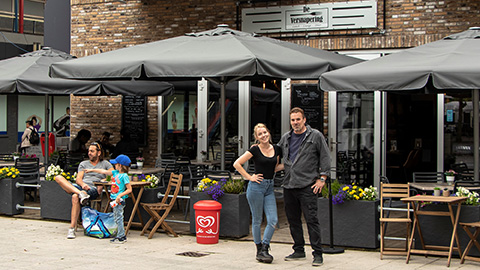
(121, 187)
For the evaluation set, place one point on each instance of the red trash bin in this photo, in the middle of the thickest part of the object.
(207, 221)
(51, 143)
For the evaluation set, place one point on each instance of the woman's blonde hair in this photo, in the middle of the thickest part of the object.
(257, 126)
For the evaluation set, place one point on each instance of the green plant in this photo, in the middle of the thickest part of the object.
(436, 188)
(450, 173)
(234, 186)
(9, 172)
(152, 178)
(472, 196)
(335, 188)
(53, 171)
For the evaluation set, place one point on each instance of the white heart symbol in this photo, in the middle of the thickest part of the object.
(205, 222)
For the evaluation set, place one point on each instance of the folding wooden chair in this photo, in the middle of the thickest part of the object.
(154, 209)
(473, 240)
(388, 192)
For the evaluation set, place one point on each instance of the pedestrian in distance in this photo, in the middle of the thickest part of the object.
(120, 189)
(260, 195)
(306, 159)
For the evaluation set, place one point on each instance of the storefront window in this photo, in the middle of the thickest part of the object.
(458, 130)
(355, 135)
(3, 115)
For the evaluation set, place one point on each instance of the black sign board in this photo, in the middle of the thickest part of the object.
(134, 118)
(310, 99)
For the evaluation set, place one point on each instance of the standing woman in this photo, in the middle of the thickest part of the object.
(260, 195)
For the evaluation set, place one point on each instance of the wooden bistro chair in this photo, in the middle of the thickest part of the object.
(473, 240)
(388, 193)
(154, 209)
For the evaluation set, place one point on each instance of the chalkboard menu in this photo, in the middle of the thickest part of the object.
(310, 99)
(134, 118)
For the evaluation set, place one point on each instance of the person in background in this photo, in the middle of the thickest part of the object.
(121, 187)
(84, 190)
(107, 147)
(306, 158)
(77, 145)
(260, 195)
(37, 121)
(126, 144)
(62, 124)
(25, 143)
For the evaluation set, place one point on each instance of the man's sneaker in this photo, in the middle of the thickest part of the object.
(317, 261)
(295, 256)
(83, 197)
(71, 233)
(119, 240)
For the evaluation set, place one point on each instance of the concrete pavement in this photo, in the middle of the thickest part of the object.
(40, 244)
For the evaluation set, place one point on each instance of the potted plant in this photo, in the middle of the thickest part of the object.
(437, 191)
(140, 162)
(450, 175)
(203, 155)
(10, 195)
(55, 203)
(235, 212)
(16, 155)
(351, 204)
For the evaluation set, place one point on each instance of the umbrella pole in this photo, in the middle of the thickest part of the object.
(475, 97)
(45, 161)
(222, 124)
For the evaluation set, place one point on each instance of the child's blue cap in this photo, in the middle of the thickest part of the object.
(122, 160)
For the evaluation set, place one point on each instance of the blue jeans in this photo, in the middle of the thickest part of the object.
(262, 199)
(118, 216)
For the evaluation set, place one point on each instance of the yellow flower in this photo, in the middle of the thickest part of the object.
(354, 187)
(356, 197)
(345, 188)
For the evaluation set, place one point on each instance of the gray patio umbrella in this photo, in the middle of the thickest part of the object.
(451, 64)
(28, 74)
(221, 55)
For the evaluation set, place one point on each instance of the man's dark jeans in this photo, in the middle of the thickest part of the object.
(300, 200)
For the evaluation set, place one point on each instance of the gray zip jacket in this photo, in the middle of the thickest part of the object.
(313, 159)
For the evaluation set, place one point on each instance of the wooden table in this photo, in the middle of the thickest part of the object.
(144, 170)
(431, 249)
(424, 186)
(136, 201)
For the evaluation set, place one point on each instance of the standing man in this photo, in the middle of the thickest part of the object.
(83, 190)
(307, 165)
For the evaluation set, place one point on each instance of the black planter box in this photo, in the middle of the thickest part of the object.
(234, 216)
(55, 203)
(437, 230)
(10, 196)
(355, 223)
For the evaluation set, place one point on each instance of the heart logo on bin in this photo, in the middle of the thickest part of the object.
(205, 222)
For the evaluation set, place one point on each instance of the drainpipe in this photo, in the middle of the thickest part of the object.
(15, 21)
(21, 7)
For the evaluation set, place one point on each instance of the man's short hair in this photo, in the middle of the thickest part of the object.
(297, 110)
(85, 133)
(30, 122)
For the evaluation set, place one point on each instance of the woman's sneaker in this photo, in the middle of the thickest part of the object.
(119, 240)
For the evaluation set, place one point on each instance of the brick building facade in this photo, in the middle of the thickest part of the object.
(104, 25)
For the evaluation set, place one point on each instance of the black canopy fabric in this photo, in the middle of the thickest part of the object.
(218, 53)
(452, 63)
(28, 74)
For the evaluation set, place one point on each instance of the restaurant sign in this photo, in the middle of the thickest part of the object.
(311, 17)
(306, 18)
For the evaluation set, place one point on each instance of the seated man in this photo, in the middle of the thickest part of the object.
(84, 189)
